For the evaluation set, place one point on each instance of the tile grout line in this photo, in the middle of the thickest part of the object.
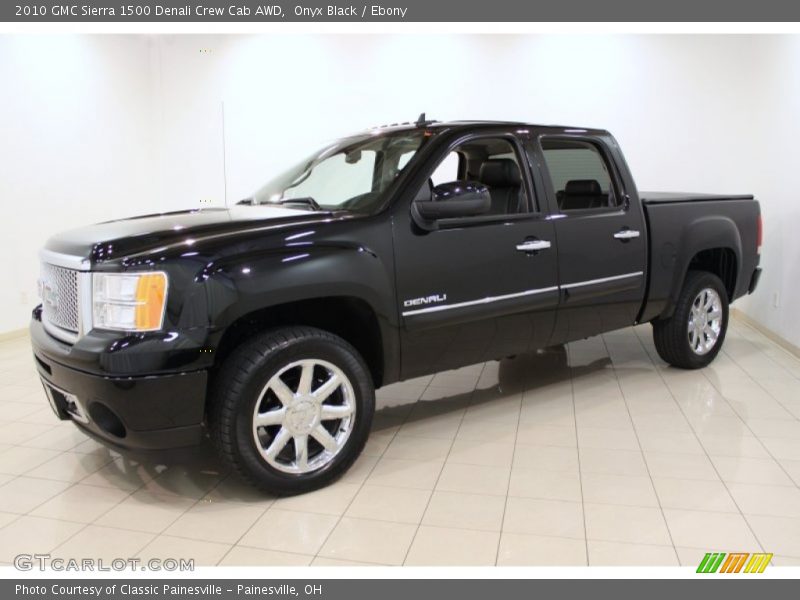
(123, 499)
(366, 478)
(175, 520)
(641, 448)
(567, 349)
(129, 495)
(15, 476)
(759, 384)
(744, 421)
(74, 484)
(69, 487)
(239, 539)
(272, 504)
(380, 520)
(705, 450)
(444, 465)
(750, 376)
(733, 360)
(85, 525)
(773, 345)
(754, 380)
(525, 387)
(747, 425)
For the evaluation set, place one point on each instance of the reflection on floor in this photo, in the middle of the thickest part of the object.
(597, 453)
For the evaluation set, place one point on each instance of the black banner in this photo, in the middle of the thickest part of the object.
(738, 588)
(206, 11)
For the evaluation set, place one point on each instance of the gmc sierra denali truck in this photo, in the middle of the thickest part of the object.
(391, 254)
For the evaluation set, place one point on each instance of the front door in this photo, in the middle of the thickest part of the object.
(483, 287)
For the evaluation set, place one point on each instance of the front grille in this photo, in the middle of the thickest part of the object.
(59, 289)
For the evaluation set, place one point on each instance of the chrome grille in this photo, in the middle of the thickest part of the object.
(59, 290)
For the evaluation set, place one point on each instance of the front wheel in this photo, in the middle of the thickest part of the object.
(291, 409)
(693, 336)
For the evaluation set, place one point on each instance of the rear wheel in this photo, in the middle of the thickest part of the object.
(291, 410)
(693, 336)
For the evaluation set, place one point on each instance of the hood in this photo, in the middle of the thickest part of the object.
(127, 237)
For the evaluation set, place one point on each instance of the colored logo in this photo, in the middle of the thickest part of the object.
(734, 562)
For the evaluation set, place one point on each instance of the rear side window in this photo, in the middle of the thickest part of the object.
(579, 173)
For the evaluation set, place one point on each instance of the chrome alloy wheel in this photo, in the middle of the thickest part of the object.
(304, 416)
(705, 321)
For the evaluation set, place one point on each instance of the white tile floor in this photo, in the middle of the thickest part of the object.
(595, 454)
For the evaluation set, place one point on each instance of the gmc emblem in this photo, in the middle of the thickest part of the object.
(50, 295)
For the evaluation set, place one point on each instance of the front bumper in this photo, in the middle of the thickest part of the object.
(156, 412)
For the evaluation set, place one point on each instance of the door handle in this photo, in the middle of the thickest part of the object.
(533, 245)
(626, 234)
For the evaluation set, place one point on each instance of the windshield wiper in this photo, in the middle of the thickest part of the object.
(307, 200)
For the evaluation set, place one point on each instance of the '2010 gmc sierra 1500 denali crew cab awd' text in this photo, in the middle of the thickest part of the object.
(388, 255)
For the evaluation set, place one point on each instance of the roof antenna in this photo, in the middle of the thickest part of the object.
(421, 122)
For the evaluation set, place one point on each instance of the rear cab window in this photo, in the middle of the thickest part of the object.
(579, 173)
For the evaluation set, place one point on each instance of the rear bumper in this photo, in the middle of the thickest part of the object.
(128, 413)
(754, 280)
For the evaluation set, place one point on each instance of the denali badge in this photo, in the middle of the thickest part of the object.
(425, 300)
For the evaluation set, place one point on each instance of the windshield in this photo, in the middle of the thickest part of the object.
(353, 174)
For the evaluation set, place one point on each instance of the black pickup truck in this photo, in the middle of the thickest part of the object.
(397, 252)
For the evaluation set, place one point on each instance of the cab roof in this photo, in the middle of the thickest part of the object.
(472, 124)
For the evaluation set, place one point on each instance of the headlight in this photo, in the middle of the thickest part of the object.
(129, 301)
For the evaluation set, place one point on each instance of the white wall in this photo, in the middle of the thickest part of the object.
(776, 180)
(699, 113)
(75, 146)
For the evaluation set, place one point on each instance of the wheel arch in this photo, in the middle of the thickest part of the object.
(711, 244)
(349, 317)
(722, 262)
(342, 288)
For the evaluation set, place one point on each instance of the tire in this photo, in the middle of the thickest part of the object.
(685, 339)
(277, 378)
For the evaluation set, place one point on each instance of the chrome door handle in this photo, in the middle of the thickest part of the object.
(626, 234)
(533, 246)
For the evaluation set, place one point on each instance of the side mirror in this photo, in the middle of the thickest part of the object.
(455, 199)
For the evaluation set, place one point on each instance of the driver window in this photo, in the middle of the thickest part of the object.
(447, 170)
(493, 162)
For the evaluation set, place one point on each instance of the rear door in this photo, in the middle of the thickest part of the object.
(601, 234)
(477, 288)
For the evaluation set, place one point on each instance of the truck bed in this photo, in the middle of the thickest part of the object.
(680, 224)
(669, 197)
